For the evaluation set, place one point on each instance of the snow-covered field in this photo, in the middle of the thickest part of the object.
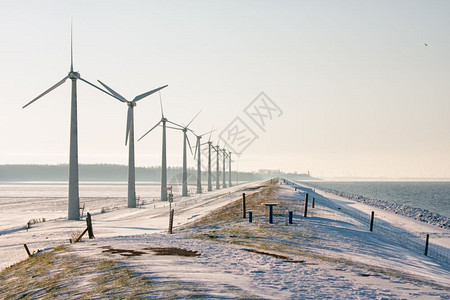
(329, 254)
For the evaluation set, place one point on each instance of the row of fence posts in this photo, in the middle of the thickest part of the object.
(289, 219)
(372, 219)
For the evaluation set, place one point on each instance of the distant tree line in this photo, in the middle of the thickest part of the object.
(110, 172)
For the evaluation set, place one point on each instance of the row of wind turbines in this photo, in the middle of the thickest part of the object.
(73, 197)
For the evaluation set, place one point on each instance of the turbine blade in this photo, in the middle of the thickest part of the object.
(129, 118)
(208, 132)
(48, 91)
(98, 88)
(160, 102)
(189, 143)
(117, 95)
(71, 45)
(193, 118)
(137, 98)
(176, 128)
(212, 129)
(197, 147)
(150, 130)
(174, 124)
(192, 131)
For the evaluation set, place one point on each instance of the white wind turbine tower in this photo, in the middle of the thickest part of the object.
(184, 192)
(163, 120)
(224, 156)
(229, 169)
(74, 200)
(209, 163)
(130, 136)
(199, 169)
(217, 149)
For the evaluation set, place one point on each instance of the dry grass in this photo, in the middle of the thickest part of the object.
(233, 211)
(74, 235)
(61, 274)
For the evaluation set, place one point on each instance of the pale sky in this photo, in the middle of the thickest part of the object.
(358, 91)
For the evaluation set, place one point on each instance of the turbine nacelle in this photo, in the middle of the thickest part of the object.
(74, 75)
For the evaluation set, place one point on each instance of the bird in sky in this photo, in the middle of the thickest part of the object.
(425, 44)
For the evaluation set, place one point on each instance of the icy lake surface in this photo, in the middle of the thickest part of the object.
(24, 201)
(432, 196)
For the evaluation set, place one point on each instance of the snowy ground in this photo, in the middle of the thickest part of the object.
(329, 254)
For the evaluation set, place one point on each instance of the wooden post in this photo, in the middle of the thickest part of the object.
(171, 221)
(426, 244)
(271, 214)
(371, 220)
(30, 255)
(314, 202)
(81, 235)
(82, 210)
(306, 205)
(89, 226)
(244, 209)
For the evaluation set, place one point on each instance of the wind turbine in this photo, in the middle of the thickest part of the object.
(185, 140)
(199, 169)
(163, 120)
(74, 200)
(130, 136)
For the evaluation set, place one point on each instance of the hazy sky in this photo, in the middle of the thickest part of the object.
(354, 90)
